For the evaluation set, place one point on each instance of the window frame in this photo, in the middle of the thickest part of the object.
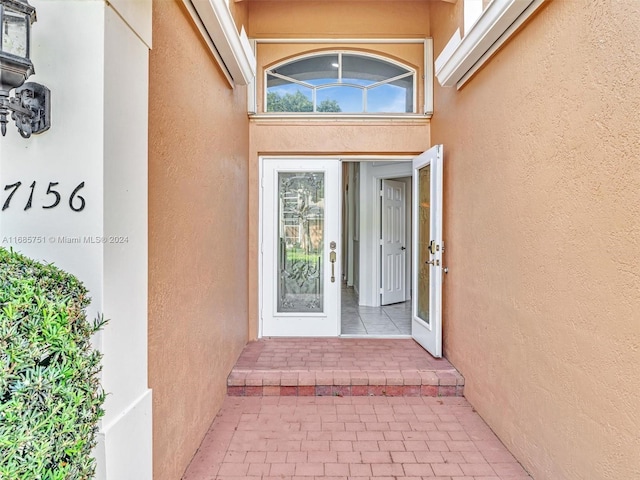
(411, 72)
(348, 45)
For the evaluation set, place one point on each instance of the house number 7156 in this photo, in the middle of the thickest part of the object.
(76, 201)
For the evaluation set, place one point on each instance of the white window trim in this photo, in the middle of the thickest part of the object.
(461, 58)
(231, 49)
(428, 76)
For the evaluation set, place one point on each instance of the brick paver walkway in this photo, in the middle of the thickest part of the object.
(351, 438)
(348, 409)
(342, 366)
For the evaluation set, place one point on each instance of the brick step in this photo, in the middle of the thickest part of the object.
(408, 383)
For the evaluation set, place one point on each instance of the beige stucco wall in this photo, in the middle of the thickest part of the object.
(329, 19)
(198, 146)
(338, 18)
(542, 229)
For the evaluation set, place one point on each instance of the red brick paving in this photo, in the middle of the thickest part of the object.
(351, 438)
(337, 354)
(348, 409)
(341, 367)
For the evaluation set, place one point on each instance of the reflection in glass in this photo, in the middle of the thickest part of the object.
(283, 96)
(342, 98)
(340, 83)
(301, 241)
(370, 69)
(14, 34)
(390, 98)
(311, 68)
(424, 234)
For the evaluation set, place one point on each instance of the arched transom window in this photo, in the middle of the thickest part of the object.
(341, 82)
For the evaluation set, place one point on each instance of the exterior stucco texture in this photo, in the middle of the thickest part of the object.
(542, 232)
(198, 147)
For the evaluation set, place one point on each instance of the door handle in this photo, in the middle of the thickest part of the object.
(332, 259)
(403, 248)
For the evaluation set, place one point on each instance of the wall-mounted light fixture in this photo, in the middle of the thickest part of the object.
(30, 107)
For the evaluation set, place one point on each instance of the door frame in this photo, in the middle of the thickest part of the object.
(376, 270)
(373, 270)
(261, 241)
(395, 242)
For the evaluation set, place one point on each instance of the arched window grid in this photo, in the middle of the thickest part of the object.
(411, 74)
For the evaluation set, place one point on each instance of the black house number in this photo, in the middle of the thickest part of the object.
(75, 200)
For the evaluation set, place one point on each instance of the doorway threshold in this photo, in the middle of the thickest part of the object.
(374, 336)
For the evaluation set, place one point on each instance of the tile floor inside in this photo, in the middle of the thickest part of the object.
(388, 320)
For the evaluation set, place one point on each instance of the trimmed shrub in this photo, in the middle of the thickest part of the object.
(50, 394)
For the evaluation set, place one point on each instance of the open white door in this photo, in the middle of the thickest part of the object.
(300, 270)
(393, 242)
(426, 326)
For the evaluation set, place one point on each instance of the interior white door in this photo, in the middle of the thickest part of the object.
(426, 325)
(393, 242)
(300, 247)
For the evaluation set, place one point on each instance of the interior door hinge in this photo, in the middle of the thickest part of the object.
(381, 193)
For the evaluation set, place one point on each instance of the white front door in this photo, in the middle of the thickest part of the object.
(300, 270)
(393, 242)
(426, 325)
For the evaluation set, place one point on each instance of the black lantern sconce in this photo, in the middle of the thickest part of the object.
(31, 105)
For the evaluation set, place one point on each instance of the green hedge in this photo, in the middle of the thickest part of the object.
(50, 395)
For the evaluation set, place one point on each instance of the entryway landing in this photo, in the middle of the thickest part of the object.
(341, 367)
(347, 408)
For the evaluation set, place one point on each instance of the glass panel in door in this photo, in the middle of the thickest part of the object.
(424, 237)
(301, 241)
